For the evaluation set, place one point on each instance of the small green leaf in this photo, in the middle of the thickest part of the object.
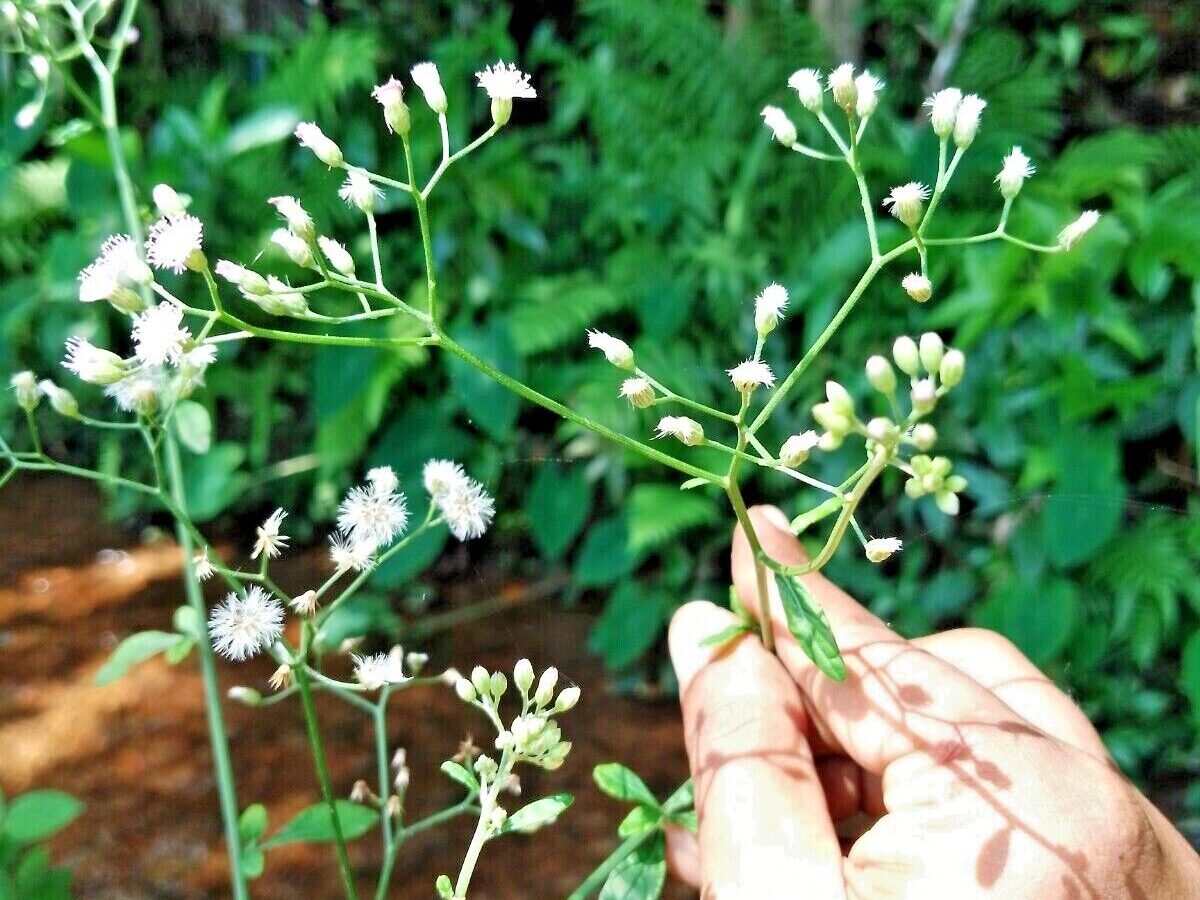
(444, 887)
(461, 774)
(810, 627)
(638, 820)
(683, 798)
(693, 483)
(252, 824)
(193, 425)
(641, 875)
(253, 861)
(37, 815)
(316, 824)
(135, 649)
(725, 635)
(537, 814)
(187, 621)
(179, 651)
(623, 784)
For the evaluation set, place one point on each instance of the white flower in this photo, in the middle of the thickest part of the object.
(868, 88)
(769, 306)
(383, 478)
(25, 386)
(906, 202)
(311, 136)
(615, 350)
(92, 364)
(357, 190)
(638, 391)
(372, 516)
(305, 604)
(159, 334)
(114, 273)
(202, 566)
(503, 81)
(467, 508)
(168, 201)
(351, 555)
(807, 85)
(917, 286)
(174, 244)
(1013, 173)
(270, 543)
(753, 373)
(795, 449)
(140, 391)
(299, 222)
(686, 431)
(339, 257)
(192, 366)
(966, 120)
(1070, 236)
(242, 626)
(441, 476)
(244, 279)
(429, 80)
(879, 549)
(378, 669)
(842, 86)
(781, 126)
(390, 95)
(294, 246)
(943, 108)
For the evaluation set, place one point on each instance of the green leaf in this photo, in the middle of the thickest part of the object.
(461, 774)
(213, 481)
(254, 861)
(639, 819)
(193, 425)
(725, 635)
(623, 784)
(641, 875)
(558, 505)
(445, 887)
(1085, 508)
(252, 824)
(135, 649)
(605, 555)
(658, 513)
(632, 620)
(493, 406)
(188, 622)
(314, 823)
(537, 814)
(267, 125)
(810, 627)
(37, 815)
(1189, 674)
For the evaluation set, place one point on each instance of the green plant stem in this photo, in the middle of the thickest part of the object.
(734, 492)
(379, 719)
(300, 674)
(426, 233)
(218, 740)
(596, 880)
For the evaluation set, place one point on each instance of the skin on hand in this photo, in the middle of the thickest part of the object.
(946, 766)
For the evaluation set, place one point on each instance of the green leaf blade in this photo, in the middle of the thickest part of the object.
(810, 627)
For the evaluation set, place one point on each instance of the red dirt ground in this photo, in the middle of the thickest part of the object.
(136, 751)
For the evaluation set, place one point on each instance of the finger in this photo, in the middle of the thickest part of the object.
(993, 661)
(683, 855)
(841, 780)
(761, 810)
(897, 698)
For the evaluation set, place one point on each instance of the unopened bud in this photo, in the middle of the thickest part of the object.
(567, 699)
(523, 675)
(169, 203)
(545, 689)
(244, 695)
(881, 375)
(951, 368)
(25, 386)
(917, 286)
(924, 436)
(931, 350)
(61, 399)
(906, 355)
(795, 449)
(924, 396)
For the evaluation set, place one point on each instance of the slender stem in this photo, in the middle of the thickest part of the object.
(222, 765)
(451, 160)
(374, 232)
(426, 236)
(300, 673)
(600, 875)
(379, 718)
(734, 492)
(672, 397)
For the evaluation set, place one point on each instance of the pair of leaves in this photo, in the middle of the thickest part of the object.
(252, 825)
(139, 647)
(642, 874)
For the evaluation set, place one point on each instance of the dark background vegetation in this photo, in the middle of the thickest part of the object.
(641, 193)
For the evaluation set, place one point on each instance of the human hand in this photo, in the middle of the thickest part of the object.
(971, 773)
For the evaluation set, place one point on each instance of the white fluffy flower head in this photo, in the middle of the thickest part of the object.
(426, 76)
(111, 275)
(357, 190)
(842, 86)
(270, 542)
(1073, 233)
(383, 478)
(751, 374)
(807, 85)
(310, 135)
(243, 626)
(93, 364)
(349, 555)
(378, 669)
(504, 81)
(905, 202)
(369, 515)
(917, 286)
(1017, 167)
(943, 108)
(795, 449)
(868, 88)
(686, 431)
(140, 391)
(615, 350)
(769, 306)
(337, 254)
(159, 335)
(638, 391)
(299, 222)
(880, 549)
(174, 244)
(467, 508)
(966, 120)
(442, 475)
(781, 126)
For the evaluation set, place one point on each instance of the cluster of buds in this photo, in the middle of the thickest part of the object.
(932, 475)
(857, 94)
(532, 736)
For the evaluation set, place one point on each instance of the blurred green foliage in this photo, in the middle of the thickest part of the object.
(642, 192)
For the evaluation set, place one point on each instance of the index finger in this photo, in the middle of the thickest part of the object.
(897, 699)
